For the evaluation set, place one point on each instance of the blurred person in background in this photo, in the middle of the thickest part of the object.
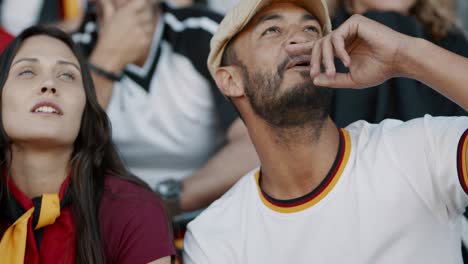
(400, 98)
(462, 10)
(5, 39)
(170, 123)
(16, 15)
(181, 3)
(221, 6)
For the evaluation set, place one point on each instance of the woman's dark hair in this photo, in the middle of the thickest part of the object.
(94, 156)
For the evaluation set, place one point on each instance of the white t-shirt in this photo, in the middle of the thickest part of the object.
(394, 195)
(168, 116)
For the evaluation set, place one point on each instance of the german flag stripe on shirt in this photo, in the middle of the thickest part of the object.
(316, 195)
(461, 161)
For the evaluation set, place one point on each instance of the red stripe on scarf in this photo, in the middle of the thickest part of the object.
(58, 244)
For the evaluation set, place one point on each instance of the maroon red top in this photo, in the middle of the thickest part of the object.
(133, 226)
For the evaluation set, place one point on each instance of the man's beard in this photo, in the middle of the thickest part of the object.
(303, 105)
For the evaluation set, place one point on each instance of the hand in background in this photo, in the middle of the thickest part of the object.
(375, 53)
(125, 33)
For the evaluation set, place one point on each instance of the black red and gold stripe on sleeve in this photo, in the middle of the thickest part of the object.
(461, 161)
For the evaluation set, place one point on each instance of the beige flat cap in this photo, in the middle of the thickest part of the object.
(240, 15)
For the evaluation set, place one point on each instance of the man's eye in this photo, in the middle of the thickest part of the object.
(67, 76)
(312, 29)
(271, 30)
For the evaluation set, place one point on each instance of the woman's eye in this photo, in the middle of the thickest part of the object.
(67, 76)
(271, 30)
(26, 73)
(311, 29)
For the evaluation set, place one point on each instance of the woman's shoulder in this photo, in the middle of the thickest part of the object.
(129, 198)
(114, 184)
(133, 222)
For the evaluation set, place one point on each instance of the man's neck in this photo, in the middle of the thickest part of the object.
(295, 162)
(38, 171)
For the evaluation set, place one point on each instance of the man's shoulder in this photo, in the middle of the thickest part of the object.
(389, 126)
(361, 126)
(396, 135)
(227, 209)
(395, 123)
(233, 198)
(218, 229)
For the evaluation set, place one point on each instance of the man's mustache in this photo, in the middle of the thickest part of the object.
(289, 62)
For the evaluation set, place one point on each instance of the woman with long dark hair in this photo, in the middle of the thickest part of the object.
(65, 196)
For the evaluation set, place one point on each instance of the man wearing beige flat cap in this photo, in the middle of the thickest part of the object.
(386, 193)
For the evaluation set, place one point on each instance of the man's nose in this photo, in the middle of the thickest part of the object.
(297, 37)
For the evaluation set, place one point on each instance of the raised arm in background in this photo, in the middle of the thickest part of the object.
(375, 53)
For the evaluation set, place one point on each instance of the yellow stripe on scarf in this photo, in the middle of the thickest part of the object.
(13, 243)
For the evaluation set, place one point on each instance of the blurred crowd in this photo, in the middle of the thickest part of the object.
(171, 125)
(68, 11)
(19, 14)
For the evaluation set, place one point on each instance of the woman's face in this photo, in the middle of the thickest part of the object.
(401, 6)
(43, 98)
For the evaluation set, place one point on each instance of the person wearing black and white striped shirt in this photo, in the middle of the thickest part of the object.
(170, 123)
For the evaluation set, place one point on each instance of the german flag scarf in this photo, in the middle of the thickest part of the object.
(38, 230)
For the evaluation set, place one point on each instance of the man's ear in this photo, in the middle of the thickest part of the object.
(229, 81)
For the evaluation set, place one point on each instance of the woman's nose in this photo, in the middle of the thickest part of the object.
(47, 89)
(48, 85)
